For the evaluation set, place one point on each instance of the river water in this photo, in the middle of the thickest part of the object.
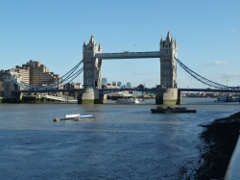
(122, 142)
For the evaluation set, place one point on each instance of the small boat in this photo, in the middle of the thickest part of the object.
(173, 110)
(228, 99)
(222, 99)
(74, 117)
(128, 101)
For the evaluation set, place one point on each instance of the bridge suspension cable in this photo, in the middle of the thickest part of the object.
(202, 79)
(72, 70)
(72, 76)
(69, 76)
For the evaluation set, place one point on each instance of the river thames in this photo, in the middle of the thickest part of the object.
(122, 142)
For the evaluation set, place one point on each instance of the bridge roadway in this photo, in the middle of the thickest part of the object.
(128, 55)
(148, 90)
(102, 91)
(45, 90)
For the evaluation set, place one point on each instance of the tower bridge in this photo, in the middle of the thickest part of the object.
(92, 62)
(166, 92)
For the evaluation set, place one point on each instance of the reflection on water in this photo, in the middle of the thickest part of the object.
(123, 142)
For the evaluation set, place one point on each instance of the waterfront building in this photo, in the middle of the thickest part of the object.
(73, 85)
(3, 74)
(34, 73)
(110, 86)
(40, 75)
(23, 72)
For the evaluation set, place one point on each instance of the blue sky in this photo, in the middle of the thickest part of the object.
(53, 32)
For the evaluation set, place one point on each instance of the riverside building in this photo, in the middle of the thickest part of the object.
(35, 73)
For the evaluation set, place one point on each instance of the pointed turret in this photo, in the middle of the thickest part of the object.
(91, 41)
(168, 38)
(99, 47)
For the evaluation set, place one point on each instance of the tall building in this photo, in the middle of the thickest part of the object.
(128, 85)
(34, 73)
(40, 75)
(104, 81)
(168, 50)
(119, 84)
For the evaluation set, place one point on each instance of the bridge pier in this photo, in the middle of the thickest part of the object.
(90, 96)
(9, 86)
(169, 96)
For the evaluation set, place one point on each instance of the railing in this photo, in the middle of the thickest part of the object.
(233, 171)
(111, 90)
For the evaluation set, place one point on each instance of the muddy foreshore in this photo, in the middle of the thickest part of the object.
(220, 138)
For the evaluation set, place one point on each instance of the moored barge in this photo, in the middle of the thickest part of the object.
(173, 110)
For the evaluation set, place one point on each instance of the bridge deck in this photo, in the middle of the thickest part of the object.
(130, 89)
(128, 55)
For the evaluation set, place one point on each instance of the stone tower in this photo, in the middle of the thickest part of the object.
(91, 74)
(92, 65)
(168, 65)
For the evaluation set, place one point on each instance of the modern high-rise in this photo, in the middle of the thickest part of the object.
(128, 85)
(119, 84)
(104, 81)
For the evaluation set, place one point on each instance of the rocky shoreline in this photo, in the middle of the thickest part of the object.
(220, 138)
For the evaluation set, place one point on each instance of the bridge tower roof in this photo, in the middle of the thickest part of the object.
(92, 41)
(168, 38)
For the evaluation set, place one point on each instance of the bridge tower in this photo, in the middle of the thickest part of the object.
(91, 72)
(167, 93)
(168, 50)
(92, 65)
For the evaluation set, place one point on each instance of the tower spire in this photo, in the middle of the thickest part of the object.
(91, 41)
(168, 38)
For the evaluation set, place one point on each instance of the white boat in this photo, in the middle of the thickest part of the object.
(128, 101)
(75, 117)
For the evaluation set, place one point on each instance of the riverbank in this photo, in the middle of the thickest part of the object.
(33, 99)
(220, 138)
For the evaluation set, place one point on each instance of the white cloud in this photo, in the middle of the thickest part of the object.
(234, 31)
(231, 76)
(218, 63)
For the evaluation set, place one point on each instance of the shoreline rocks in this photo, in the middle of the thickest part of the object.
(220, 138)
